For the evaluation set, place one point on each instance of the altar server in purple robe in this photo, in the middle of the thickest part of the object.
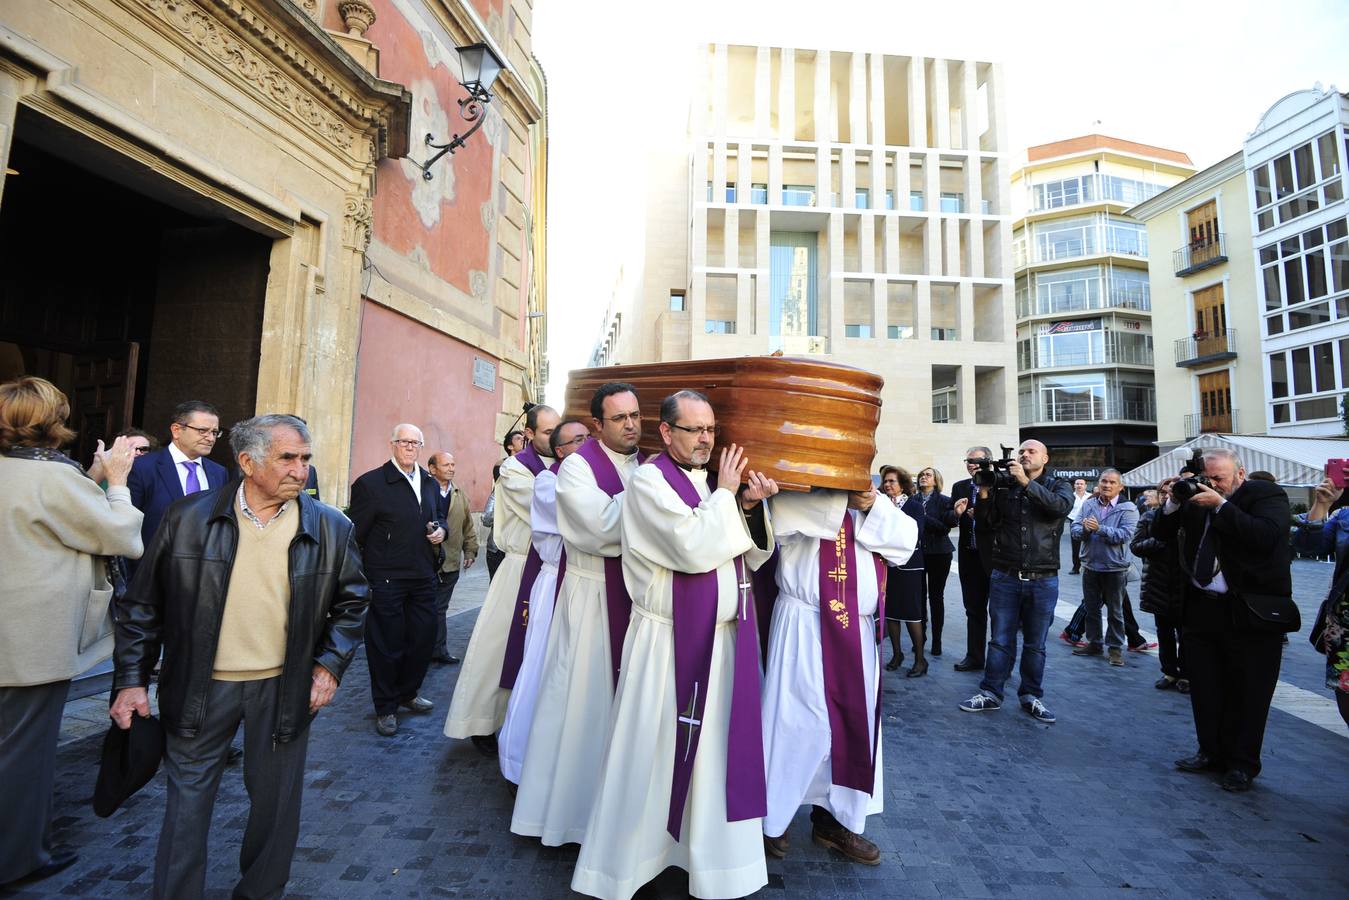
(682, 782)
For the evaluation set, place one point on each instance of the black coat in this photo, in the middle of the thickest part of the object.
(1163, 582)
(391, 528)
(964, 489)
(1026, 523)
(177, 602)
(934, 532)
(1252, 533)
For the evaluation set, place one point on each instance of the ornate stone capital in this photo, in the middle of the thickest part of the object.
(358, 220)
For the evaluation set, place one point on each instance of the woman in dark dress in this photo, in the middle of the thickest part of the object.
(938, 519)
(904, 585)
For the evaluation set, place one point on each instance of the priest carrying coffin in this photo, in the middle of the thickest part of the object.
(682, 782)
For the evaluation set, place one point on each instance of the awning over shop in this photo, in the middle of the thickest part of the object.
(1293, 461)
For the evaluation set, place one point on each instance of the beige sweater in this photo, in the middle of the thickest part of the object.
(252, 642)
(54, 523)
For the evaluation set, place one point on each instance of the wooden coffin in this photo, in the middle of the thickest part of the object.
(803, 422)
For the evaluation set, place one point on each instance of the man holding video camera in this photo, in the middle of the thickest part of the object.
(1023, 507)
(1237, 604)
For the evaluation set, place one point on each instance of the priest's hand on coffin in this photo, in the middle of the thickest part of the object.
(759, 488)
(862, 500)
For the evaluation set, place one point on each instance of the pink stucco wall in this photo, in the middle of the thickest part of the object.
(407, 372)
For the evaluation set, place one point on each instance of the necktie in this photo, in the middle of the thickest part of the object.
(193, 484)
(1206, 556)
(974, 498)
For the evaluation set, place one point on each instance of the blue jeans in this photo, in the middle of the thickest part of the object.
(1015, 605)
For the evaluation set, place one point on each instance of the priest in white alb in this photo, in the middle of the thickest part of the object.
(569, 435)
(821, 719)
(580, 670)
(496, 647)
(682, 782)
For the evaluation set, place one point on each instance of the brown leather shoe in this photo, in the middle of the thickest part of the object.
(777, 846)
(854, 846)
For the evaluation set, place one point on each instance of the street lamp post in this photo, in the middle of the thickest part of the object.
(480, 67)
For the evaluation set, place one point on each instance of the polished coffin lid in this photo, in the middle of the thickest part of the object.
(803, 422)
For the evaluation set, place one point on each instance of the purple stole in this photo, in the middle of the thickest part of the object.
(852, 753)
(515, 638)
(617, 601)
(695, 625)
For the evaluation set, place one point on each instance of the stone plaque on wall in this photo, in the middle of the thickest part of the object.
(484, 374)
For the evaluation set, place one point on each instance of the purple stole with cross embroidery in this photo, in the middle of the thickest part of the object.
(851, 750)
(695, 626)
(515, 638)
(616, 600)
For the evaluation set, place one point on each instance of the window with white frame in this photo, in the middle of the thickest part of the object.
(1305, 278)
(1300, 181)
(1305, 383)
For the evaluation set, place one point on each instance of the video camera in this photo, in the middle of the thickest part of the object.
(992, 473)
(1185, 488)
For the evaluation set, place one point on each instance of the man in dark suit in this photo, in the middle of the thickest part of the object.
(182, 468)
(396, 511)
(974, 566)
(1237, 604)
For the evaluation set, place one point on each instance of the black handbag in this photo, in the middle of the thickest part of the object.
(1319, 625)
(1280, 613)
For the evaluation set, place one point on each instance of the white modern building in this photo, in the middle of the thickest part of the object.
(850, 206)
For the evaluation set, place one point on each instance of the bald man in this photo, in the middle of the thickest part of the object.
(461, 544)
(1025, 521)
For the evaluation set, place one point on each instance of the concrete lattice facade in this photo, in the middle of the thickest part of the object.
(850, 206)
(1084, 333)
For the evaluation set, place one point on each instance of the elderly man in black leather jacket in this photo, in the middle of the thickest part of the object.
(1025, 520)
(255, 593)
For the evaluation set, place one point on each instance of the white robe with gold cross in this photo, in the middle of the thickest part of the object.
(479, 703)
(795, 718)
(626, 843)
(571, 721)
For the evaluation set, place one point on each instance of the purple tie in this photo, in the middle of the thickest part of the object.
(193, 485)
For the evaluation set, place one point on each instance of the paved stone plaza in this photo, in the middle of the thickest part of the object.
(989, 805)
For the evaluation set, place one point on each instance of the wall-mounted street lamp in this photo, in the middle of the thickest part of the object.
(480, 67)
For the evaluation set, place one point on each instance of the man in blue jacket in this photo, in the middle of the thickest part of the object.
(1105, 528)
(180, 469)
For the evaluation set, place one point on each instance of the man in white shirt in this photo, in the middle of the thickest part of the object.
(1080, 496)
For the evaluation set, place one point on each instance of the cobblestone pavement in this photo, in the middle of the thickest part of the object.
(993, 805)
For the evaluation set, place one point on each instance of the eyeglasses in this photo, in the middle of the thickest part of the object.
(407, 443)
(213, 432)
(622, 418)
(140, 450)
(709, 430)
(576, 440)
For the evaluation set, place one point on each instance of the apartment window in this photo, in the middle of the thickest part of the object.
(798, 195)
(1079, 342)
(889, 199)
(1065, 239)
(857, 331)
(676, 301)
(943, 334)
(952, 202)
(758, 193)
(916, 201)
(1072, 398)
(1202, 222)
(899, 332)
(1307, 274)
(1315, 371)
(719, 326)
(1303, 180)
(709, 192)
(1129, 288)
(1278, 375)
(862, 198)
(1068, 290)
(1123, 236)
(730, 192)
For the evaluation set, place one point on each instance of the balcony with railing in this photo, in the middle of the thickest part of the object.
(1095, 409)
(1198, 256)
(1096, 356)
(1211, 423)
(1203, 348)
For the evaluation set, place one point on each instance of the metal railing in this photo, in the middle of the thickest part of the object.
(1204, 348)
(1105, 356)
(1214, 423)
(1097, 409)
(1199, 255)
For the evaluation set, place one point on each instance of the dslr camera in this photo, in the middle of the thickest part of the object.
(1188, 486)
(992, 473)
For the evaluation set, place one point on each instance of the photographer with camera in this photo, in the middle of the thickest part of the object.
(1237, 604)
(1022, 506)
